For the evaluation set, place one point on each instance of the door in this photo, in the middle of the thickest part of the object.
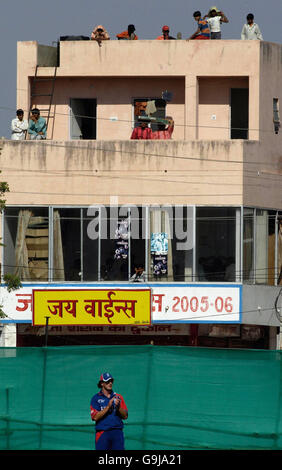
(83, 118)
(239, 113)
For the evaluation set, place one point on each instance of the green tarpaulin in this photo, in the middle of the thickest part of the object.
(177, 397)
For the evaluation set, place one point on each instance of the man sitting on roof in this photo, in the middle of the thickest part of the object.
(129, 34)
(203, 31)
(99, 34)
(165, 35)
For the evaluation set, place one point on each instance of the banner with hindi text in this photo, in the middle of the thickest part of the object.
(92, 306)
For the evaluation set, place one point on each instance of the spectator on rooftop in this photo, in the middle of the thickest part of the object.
(142, 131)
(19, 126)
(214, 19)
(203, 31)
(165, 131)
(251, 30)
(129, 34)
(165, 34)
(37, 126)
(99, 34)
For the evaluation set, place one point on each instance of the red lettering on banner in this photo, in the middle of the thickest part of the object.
(158, 299)
(25, 302)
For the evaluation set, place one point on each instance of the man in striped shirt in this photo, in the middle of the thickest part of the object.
(203, 31)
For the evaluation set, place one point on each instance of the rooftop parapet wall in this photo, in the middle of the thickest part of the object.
(138, 172)
(151, 58)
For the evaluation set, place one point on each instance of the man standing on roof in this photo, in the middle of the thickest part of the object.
(19, 126)
(251, 30)
(203, 31)
(214, 19)
(129, 34)
(108, 410)
(165, 35)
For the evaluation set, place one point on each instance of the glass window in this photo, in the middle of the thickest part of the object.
(271, 248)
(90, 237)
(26, 240)
(137, 243)
(261, 251)
(279, 249)
(114, 244)
(171, 244)
(216, 244)
(248, 245)
(66, 245)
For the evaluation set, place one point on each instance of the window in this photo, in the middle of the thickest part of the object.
(153, 107)
(66, 245)
(216, 244)
(279, 249)
(26, 239)
(248, 245)
(276, 116)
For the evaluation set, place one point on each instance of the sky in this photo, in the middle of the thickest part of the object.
(45, 22)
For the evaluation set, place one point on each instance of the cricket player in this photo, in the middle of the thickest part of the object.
(108, 410)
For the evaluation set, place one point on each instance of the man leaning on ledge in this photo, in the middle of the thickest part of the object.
(37, 127)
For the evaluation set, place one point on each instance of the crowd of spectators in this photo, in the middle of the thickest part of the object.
(208, 27)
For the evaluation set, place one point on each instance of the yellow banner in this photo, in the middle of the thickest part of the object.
(92, 307)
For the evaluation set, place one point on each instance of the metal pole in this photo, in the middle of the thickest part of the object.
(46, 331)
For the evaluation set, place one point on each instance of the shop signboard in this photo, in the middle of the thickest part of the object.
(92, 306)
(170, 303)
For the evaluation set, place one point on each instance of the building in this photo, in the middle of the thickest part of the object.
(211, 194)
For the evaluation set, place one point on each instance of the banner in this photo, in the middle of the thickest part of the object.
(171, 303)
(95, 306)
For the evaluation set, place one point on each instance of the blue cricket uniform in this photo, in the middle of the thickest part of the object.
(109, 429)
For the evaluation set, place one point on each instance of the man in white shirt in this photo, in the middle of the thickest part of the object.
(19, 126)
(214, 19)
(251, 30)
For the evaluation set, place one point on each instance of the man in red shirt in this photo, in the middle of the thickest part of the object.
(164, 133)
(142, 132)
(129, 34)
(165, 34)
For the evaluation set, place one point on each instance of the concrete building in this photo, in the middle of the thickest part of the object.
(213, 191)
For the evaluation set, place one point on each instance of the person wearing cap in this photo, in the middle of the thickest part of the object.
(19, 126)
(165, 34)
(251, 30)
(203, 31)
(214, 19)
(142, 131)
(129, 34)
(99, 34)
(37, 127)
(108, 410)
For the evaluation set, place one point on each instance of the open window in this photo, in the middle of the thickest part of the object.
(276, 116)
(152, 107)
